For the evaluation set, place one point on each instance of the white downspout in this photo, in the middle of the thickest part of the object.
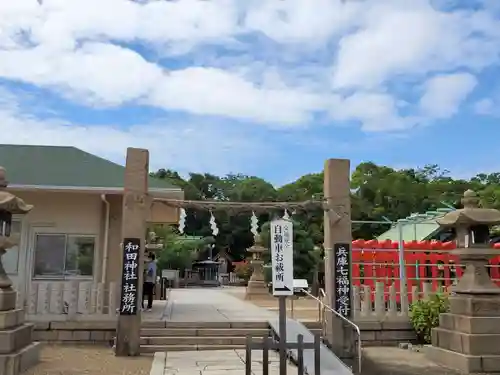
(106, 239)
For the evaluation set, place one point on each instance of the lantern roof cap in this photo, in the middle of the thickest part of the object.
(470, 214)
(9, 202)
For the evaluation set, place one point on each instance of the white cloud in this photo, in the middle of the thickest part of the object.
(297, 21)
(59, 22)
(488, 106)
(212, 91)
(444, 94)
(376, 111)
(484, 106)
(106, 74)
(401, 38)
(82, 49)
(186, 147)
(97, 72)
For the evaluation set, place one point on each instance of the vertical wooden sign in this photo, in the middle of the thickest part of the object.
(129, 296)
(343, 283)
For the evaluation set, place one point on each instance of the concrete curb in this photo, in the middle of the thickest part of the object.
(159, 363)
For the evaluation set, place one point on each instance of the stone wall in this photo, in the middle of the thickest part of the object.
(388, 333)
(75, 332)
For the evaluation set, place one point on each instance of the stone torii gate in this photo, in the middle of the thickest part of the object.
(337, 231)
(135, 209)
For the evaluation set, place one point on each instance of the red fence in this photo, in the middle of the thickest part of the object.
(425, 262)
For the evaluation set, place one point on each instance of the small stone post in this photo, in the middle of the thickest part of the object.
(468, 337)
(18, 352)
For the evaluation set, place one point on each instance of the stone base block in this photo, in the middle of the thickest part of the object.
(258, 295)
(257, 289)
(7, 299)
(12, 318)
(466, 343)
(481, 306)
(257, 284)
(464, 363)
(19, 362)
(470, 324)
(12, 340)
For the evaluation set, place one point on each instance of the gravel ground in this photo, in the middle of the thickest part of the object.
(87, 360)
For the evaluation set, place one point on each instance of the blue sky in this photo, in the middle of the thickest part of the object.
(268, 88)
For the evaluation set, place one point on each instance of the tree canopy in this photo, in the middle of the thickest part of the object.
(377, 193)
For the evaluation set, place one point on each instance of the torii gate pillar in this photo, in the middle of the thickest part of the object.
(337, 230)
(135, 210)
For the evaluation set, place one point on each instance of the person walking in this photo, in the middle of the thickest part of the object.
(149, 281)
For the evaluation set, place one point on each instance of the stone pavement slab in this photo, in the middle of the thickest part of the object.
(395, 361)
(211, 305)
(156, 312)
(219, 362)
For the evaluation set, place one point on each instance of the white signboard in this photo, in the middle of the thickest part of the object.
(282, 257)
(299, 284)
(170, 274)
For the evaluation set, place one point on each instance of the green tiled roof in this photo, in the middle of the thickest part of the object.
(417, 227)
(63, 167)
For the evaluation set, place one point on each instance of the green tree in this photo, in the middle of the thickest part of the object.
(178, 251)
(307, 187)
(377, 192)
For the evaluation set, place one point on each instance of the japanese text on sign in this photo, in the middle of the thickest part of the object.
(282, 256)
(278, 253)
(342, 279)
(130, 278)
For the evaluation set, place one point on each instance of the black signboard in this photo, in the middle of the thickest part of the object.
(129, 302)
(343, 282)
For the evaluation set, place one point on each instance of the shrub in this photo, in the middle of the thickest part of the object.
(424, 315)
(243, 271)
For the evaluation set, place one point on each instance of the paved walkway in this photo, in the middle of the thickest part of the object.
(156, 312)
(214, 362)
(211, 305)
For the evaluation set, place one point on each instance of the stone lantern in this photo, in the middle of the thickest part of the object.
(18, 352)
(468, 337)
(257, 288)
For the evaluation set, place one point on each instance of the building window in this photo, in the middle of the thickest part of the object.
(64, 255)
(10, 259)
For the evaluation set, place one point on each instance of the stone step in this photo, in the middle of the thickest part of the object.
(224, 324)
(466, 343)
(16, 338)
(470, 324)
(214, 332)
(181, 348)
(20, 361)
(196, 340)
(464, 363)
(241, 324)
